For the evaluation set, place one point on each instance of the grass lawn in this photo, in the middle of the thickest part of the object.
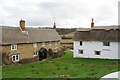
(65, 65)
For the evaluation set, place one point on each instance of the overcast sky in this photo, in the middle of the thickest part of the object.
(67, 13)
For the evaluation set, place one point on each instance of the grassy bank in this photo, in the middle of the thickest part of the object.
(65, 66)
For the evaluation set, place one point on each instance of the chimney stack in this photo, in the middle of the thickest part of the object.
(92, 24)
(22, 25)
(54, 26)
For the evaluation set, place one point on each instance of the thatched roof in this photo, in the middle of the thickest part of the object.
(12, 35)
(97, 34)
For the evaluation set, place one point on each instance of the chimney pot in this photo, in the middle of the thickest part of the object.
(92, 24)
(54, 26)
(22, 25)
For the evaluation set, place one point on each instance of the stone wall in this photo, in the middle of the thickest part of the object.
(27, 50)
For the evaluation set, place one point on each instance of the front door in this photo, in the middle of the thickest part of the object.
(42, 54)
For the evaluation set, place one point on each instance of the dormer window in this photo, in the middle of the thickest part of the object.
(56, 42)
(34, 45)
(50, 43)
(55, 50)
(13, 47)
(43, 43)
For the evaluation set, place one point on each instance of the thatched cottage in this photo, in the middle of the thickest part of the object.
(97, 42)
(21, 42)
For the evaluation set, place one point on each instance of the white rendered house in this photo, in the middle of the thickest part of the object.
(97, 42)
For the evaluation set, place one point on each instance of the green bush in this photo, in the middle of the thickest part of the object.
(29, 60)
(57, 54)
(6, 59)
(50, 52)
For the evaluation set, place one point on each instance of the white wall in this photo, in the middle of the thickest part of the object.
(89, 48)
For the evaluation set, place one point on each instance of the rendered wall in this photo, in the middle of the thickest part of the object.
(89, 48)
(26, 50)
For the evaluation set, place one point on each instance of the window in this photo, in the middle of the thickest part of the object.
(43, 43)
(106, 43)
(50, 43)
(35, 53)
(97, 52)
(55, 50)
(13, 47)
(80, 51)
(80, 43)
(56, 42)
(34, 45)
(15, 57)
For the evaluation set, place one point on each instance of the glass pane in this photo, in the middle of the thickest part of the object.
(13, 58)
(80, 42)
(97, 53)
(81, 51)
(16, 57)
(12, 46)
(34, 53)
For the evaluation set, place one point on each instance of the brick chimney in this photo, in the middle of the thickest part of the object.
(92, 24)
(54, 26)
(22, 25)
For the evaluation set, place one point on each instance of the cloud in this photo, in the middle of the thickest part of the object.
(67, 13)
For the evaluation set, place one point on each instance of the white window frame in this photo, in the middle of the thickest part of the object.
(43, 43)
(36, 53)
(50, 43)
(15, 57)
(56, 42)
(55, 49)
(34, 45)
(14, 46)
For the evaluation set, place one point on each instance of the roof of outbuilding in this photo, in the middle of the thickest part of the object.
(109, 33)
(14, 35)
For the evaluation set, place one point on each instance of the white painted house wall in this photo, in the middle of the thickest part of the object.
(89, 48)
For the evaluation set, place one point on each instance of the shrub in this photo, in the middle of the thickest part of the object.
(64, 48)
(6, 59)
(57, 54)
(29, 60)
(50, 52)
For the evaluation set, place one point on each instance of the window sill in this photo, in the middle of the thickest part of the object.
(13, 49)
(34, 55)
(97, 55)
(106, 47)
(16, 61)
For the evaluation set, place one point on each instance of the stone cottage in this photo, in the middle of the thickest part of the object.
(21, 42)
